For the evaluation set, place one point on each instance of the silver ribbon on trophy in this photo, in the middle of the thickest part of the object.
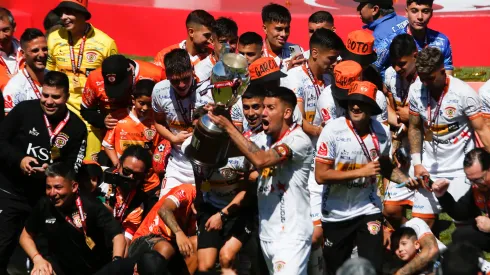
(209, 144)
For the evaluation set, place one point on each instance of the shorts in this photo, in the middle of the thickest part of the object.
(239, 227)
(316, 191)
(174, 177)
(94, 143)
(145, 244)
(425, 204)
(398, 196)
(286, 257)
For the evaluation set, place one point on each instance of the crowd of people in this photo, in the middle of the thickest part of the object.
(331, 148)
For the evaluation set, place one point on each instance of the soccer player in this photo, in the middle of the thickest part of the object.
(484, 94)
(419, 13)
(225, 31)
(283, 164)
(349, 166)
(445, 114)
(174, 101)
(276, 21)
(199, 25)
(27, 85)
(250, 45)
(319, 20)
(380, 17)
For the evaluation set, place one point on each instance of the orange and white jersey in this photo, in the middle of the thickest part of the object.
(484, 94)
(422, 229)
(14, 62)
(204, 69)
(132, 220)
(158, 60)
(339, 147)
(283, 59)
(453, 135)
(19, 89)
(327, 108)
(183, 196)
(130, 130)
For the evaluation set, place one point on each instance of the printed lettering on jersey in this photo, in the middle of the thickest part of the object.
(323, 150)
(38, 152)
(450, 112)
(473, 105)
(9, 104)
(325, 114)
(180, 195)
(374, 227)
(91, 56)
(61, 140)
(89, 96)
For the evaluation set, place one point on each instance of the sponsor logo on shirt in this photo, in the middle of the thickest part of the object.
(38, 152)
(51, 220)
(34, 132)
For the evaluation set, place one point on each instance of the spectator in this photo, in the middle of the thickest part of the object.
(199, 25)
(27, 85)
(250, 45)
(225, 38)
(35, 134)
(11, 60)
(80, 232)
(71, 51)
(319, 20)
(380, 17)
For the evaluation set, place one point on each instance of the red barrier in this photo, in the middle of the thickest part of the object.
(144, 30)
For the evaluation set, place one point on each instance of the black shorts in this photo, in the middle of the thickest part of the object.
(239, 226)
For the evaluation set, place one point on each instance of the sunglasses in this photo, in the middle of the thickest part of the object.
(177, 80)
(136, 175)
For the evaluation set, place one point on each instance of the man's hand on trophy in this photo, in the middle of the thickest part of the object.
(221, 121)
(180, 137)
(209, 107)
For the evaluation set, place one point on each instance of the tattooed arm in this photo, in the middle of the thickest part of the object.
(389, 171)
(415, 134)
(428, 252)
(166, 213)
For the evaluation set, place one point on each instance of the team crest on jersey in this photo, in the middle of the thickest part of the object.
(61, 140)
(278, 266)
(450, 112)
(325, 114)
(323, 150)
(157, 157)
(91, 57)
(227, 173)
(76, 219)
(374, 227)
(149, 134)
(373, 154)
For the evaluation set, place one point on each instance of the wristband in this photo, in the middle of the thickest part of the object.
(416, 159)
(37, 254)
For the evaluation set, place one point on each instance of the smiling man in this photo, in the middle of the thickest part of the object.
(33, 135)
(28, 84)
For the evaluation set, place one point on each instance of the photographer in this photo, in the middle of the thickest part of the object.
(127, 200)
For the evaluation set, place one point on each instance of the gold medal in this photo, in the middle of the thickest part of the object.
(90, 243)
(266, 172)
(428, 135)
(206, 186)
(76, 82)
(55, 153)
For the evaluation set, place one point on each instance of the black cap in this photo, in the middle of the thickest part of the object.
(384, 3)
(116, 71)
(80, 6)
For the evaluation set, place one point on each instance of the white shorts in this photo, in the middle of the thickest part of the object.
(398, 196)
(286, 257)
(425, 204)
(316, 191)
(174, 177)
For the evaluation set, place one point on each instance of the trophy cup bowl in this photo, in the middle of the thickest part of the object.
(209, 144)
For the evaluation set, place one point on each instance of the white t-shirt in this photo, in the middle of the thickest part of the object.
(484, 94)
(13, 61)
(19, 89)
(283, 196)
(338, 146)
(398, 86)
(204, 68)
(164, 100)
(421, 229)
(327, 107)
(452, 132)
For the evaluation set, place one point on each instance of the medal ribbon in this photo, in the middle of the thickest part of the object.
(183, 113)
(82, 217)
(307, 69)
(18, 60)
(292, 128)
(119, 211)
(76, 67)
(249, 132)
(267, 54)
(431, 121)
(58, 128)
(31, 82)
(361, 142)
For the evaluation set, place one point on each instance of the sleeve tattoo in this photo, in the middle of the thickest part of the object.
(169, 219)
(421, 260)
(415, 134)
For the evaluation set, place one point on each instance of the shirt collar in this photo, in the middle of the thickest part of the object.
(371, 26)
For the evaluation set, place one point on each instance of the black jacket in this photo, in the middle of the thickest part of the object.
(465, 209)
(24, 133)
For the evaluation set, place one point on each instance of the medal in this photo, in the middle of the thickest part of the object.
(206, 186)
(55, 153)
(90, 243)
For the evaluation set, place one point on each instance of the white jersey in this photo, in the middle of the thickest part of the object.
(19, 89)
(283, 59)
(13, 60)
(421, 229)
(283, 196)
(452, 133)
(338, 146)
(484, 94)
(178, 113)
(204, 68)
(397, 86)
(327, 108)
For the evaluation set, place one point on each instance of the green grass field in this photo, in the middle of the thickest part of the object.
(466, 73)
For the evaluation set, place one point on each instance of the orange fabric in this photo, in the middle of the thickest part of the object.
(183, 196)
(4, 77)
(158, 60)
(262, 67)
(152, 182)
(404, 202)
(423, 216)
(161, 155)
(360, 42)
(346, 73)
(94, 93)
(133, 220)
(365, 88)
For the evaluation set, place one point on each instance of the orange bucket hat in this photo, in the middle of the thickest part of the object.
(345, 73)
(263, 70)
(359, 46)
(364, 91)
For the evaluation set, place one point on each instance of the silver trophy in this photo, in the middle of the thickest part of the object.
(209, 145)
